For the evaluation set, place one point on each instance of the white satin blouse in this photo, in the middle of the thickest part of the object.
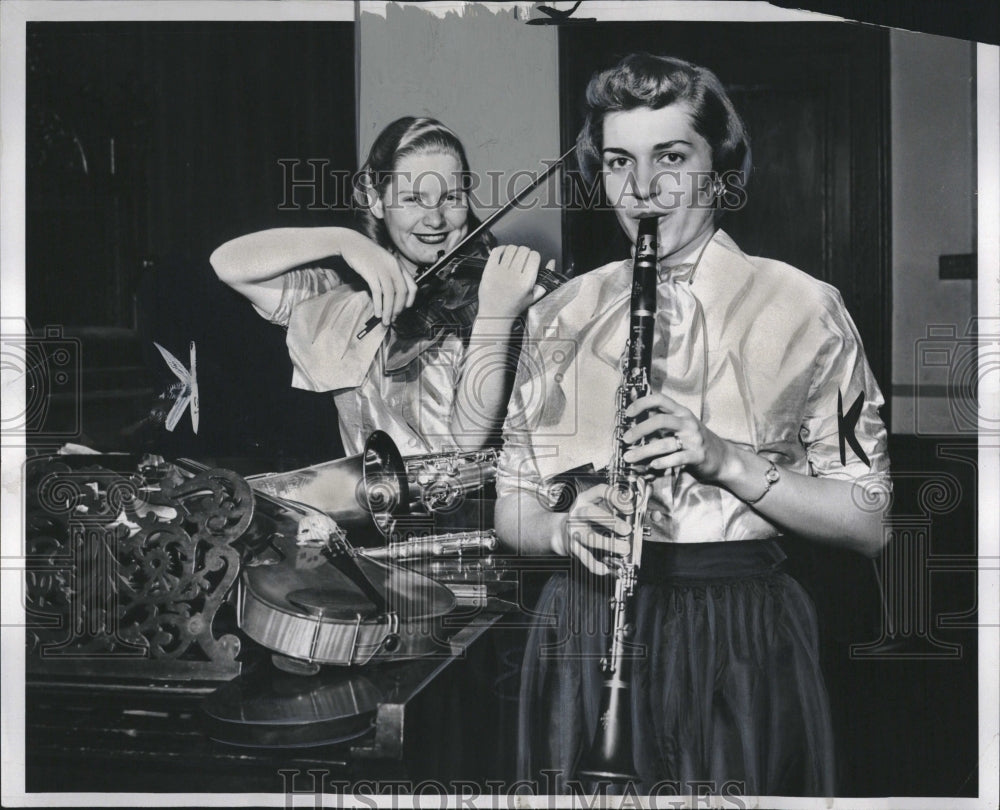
(762, 353)
(405, 388)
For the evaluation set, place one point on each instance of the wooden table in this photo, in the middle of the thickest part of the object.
(440, 719)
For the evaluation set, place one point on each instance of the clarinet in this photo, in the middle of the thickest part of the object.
(610, 754)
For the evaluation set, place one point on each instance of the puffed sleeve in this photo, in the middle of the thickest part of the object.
(842, 431)
(300, 285)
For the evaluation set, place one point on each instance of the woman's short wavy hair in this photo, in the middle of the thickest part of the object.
(404, 136)
(646, 80)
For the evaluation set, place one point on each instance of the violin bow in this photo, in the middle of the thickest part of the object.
(443, 260)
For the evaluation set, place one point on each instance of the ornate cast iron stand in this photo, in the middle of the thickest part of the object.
(128, 572)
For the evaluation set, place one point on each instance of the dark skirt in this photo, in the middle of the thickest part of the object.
(727, 694)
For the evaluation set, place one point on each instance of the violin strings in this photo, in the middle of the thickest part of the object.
(478, 261)
(469, 258)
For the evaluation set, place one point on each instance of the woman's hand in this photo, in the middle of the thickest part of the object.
(392, 287)
(508, 284)
(506, 289)
(825, 509)
(675, 438)
(589, 526)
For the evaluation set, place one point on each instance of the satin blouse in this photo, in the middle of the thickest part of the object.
(765, 355)
(405, 388)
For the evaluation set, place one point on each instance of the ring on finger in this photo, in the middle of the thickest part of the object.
(680, 444)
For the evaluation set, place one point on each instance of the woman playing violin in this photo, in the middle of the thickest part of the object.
(432, 391)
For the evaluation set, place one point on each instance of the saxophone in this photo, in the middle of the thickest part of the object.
(442, 480)
(439, 482)
(366, 494)
(610, 754)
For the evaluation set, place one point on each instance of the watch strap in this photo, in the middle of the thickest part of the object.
(771, 477)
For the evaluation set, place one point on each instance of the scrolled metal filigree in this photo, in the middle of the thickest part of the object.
(127, 566)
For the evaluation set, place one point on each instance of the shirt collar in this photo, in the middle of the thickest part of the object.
(677, 273)
(723, 278)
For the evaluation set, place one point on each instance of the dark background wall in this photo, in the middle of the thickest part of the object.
(148, 145)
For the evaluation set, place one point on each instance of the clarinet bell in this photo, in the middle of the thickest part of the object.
(610, 758)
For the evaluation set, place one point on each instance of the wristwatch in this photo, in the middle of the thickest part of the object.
(771, 477)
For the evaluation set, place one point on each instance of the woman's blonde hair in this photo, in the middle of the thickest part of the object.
(404, 136)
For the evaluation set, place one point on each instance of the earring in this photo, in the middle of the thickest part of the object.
(718, 187)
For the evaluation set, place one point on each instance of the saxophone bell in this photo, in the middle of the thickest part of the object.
(378, 493)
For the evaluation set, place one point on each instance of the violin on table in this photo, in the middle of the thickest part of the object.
(327, 588)
(310, 595)
(314, 594)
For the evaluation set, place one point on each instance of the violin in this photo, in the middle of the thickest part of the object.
(449, 299)
(324, 602)
(310, 596)
(451, 284)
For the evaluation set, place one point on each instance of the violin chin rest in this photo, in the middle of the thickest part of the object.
(294, 666)
(332, 603)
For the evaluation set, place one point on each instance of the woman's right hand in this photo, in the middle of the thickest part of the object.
(590, 526)
(392, 287)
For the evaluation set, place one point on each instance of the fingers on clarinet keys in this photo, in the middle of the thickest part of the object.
(604, 543)
(585, 541)
(587, 558)
(600, 533)
(656, 453)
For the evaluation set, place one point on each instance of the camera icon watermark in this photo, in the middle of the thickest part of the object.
(489, 365)
(41, 383)
(910, 564)
(955, 371)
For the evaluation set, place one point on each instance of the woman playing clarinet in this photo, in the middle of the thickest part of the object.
(737, 442)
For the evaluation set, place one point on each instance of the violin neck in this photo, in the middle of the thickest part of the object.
(446, 265)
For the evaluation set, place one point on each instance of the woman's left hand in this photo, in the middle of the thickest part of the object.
(675, 438)
(508, 284)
